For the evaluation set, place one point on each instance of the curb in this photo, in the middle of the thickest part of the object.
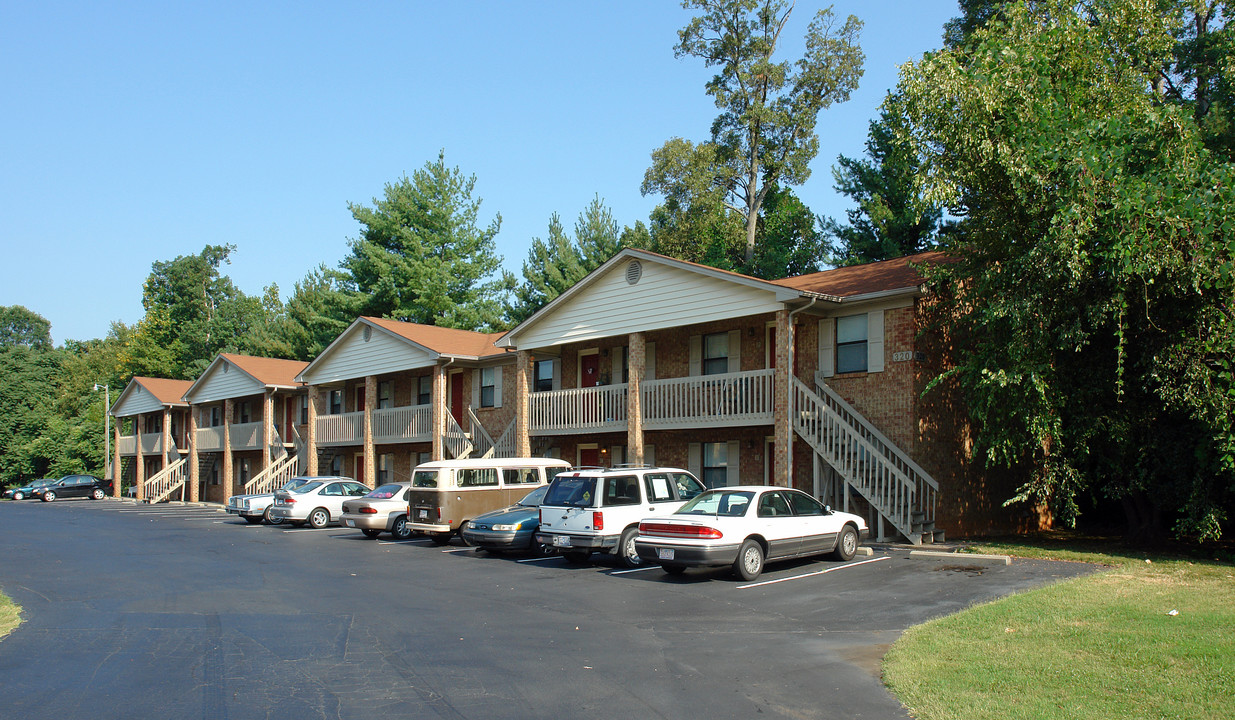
(1001, 559)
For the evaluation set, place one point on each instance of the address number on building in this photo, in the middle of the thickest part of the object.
(907, 355)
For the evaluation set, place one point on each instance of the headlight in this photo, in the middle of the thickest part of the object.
(507, 528)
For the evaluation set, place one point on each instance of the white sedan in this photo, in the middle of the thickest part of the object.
(745, 526)
(317, 502)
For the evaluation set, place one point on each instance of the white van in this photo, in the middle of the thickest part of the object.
(447, 493)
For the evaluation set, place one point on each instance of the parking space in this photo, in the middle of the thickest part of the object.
(176, 611)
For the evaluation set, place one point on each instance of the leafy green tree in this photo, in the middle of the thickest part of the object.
(790, 240)
(1092, 310)
(321, 307)
(765, 134)
(27, 386)
(21, 326)
(421, 256)
(890, 219)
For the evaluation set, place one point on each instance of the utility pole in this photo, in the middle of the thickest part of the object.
(106, 429)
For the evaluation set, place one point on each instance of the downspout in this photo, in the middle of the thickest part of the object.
(793, 345)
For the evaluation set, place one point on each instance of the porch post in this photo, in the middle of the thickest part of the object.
(139, 475)
(370, 459)
(116, 475)
(311, 431)
(636, 357)
(267, 428)
(194, 469)
(167, 437)
(523, 404)
(228, 470)
(437, 412)
(783, 451)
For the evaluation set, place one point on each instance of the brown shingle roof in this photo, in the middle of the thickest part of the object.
(167, 392)
(876, 277)
(444, 341)
(268, 371)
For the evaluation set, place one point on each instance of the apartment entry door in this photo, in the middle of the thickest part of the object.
(456, 397)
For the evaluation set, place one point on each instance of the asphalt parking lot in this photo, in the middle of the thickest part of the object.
(169, 611)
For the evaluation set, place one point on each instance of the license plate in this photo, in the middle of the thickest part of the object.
(349, 523)
(664, 553)
(561, 541)
(422, 514)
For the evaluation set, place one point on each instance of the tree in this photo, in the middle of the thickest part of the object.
(21, 326)
(421, 257)
(321, 307)
(765, 134)
(891, 218)
(27, 386)
(790, 240)
(1092, 305)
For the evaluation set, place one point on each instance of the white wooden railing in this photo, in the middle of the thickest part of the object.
(482, 441)
(457, 442)
(343, 429)
(275, 476)
(742, 398)
(895, 486)
(504, 446)
(578, 410)
(162, 484)
(401, 424)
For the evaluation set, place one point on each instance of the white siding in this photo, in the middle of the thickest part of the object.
(664, 297)
(353, 357)
(225, 381)
(139, 401)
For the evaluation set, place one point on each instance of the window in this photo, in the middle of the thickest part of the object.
(477, 477)
(242, 412)
(304, 409)
(851, 344)
(336, 465)
(385, 468)
(715, 354)
(658, 487)
(154, 424)
(804, 504)
(385, 395)
(245, 470)
(773, 504)
(715, 464)
(335, 402)
(214, 471)
(216, 416)
(520, 476)
(424, 393)
(487, 386)
(621, 490)
(544, 376)
(333, 489)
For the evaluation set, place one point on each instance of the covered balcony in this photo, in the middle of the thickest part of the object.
(392, 425)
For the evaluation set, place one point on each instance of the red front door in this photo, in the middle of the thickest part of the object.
(590, 367)
(589, 457)
(456, 397)
(289, 417)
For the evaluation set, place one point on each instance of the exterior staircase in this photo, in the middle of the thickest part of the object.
(457, 442)
(483, 444)
(897, 490)
(285, 467)
(167, 481)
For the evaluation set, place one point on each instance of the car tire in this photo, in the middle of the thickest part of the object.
(441, 538)
(673, 569)
(319, 518)
(49, 496)
(749, 563)
(271, 519)
(252, 519)
(626, 549)
(96, 494)
(401, 530)
(846, 544)
(370, 533)
(18, 496)
(578, 557)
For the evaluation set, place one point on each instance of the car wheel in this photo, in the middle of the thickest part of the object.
(749, 563)
(370, 533)
(673, 569)
(318, 518)
(577, 557)
(96, 494)
(626, 549)
(441, 538)
(252, 519)
(271, 519)
(400, 529)
(18, 496)
(49, 496)
(846, 544)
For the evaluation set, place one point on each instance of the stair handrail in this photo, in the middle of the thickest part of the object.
(482, 441)
(162, 484)
(504, 446)
(455, 439)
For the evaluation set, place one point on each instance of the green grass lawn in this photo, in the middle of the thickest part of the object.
(10, 615)
(1102, 646)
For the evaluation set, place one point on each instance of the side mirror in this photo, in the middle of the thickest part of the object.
(827, 509)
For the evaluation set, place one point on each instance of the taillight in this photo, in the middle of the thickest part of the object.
(368, 511)
(598, 520)
(664, 529)
(289, 501)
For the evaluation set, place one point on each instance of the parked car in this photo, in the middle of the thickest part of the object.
(318, 502)
(70, 486)
(511, 528)
(256, 508)
(27, 490)
(746, 526)
(599, 509)
(384, 509)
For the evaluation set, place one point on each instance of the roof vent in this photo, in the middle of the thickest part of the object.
(634, 271)
(368, 332)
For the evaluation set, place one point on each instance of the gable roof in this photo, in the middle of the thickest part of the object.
(255, 375)
(147, 394)
(271, 372)
(859, 281)
(443, 341)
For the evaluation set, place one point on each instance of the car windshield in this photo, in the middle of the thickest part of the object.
(384, 492)
(307, 487)
(293, 484)
(424, 479)
(570, 491)
(726, 503)
(535, 497)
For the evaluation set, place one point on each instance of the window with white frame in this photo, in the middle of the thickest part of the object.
(385, 395)
(216, 416)
(715, 354)
(424, 390)
(715, 464)
(487, 386)
(385, 468)
(304, 409)
(335, 402)
(544, 376)
(851, 338)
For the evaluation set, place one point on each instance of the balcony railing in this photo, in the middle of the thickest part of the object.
(152, 444)
(246, 436)
(342, 429)
(401, 424)
(742, 398)
(209, 439)
(578, 410)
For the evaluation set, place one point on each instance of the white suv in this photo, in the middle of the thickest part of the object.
(599, 509)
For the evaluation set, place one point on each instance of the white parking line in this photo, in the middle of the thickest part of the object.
(808, 575)
(456, 550)
(638, 569)
(539, 559)
(308, 530)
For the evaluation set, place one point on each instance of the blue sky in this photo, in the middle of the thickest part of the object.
(135, 132)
